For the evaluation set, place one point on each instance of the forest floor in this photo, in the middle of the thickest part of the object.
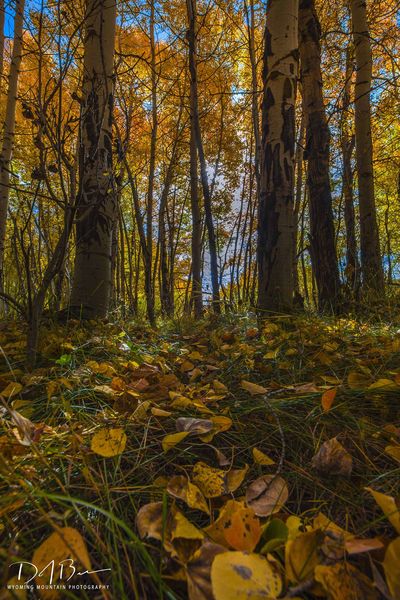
(211, 460)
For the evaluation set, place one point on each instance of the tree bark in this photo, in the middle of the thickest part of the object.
(96, 199)
(322, 230)
(197, 294)
(9, 129)
(371, 263)
(347, 146)
(212, 242)
(276, 202)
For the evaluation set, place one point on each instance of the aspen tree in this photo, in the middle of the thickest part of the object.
(96, 210)
(276, 203)
(347, 141)
(371, 263)
(322, 231)
(212, 242)
(9, 128)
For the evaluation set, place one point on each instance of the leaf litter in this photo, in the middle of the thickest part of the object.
(237, 461)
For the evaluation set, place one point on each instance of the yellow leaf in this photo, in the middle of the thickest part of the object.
(321, 521)
(109, 442)
(235, 477)
(13, 591)
(11, 390)
(220, 423)
(186, 366)
(172, 439)
(327, 398)
(391, 566)
(388, 506)
(302, 555)
(357, 381)
(237, 526)
(181, 487)
(383, 384)
(182, 528)
(272, 354)
(219, 387)
(253, 388)
(394, 452)
(62, 544)
(211, 481)
(159, 412)
(241, 576)
(294, 524)
(342, 581)
(262, 459)
(195, 355)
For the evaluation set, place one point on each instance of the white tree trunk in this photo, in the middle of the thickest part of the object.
(276, 206)
(96, 198)
(9, 128)
(371, 264)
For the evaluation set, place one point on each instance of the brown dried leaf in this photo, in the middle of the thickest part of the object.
(333, 459)
(267, 494)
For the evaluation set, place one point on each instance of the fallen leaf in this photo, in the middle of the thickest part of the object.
(275, 535)
(333, 459)
(172, 439)
(388, 506)
(342, 581)
(241, 576)
(211, 481)
(159, 412)
(181, 487)
(328, 398)
(262, 459)
(13, 590)
(302, 555)
(109, 442)
(359, 545)
(149, 520)
(181, 527)
(198, 571)
(235, 478)
(391, 566)
(219, 387)
(358, 381)
(196, 426)
(253, 388)
(62, 544)
(384, 384)
(306, 388)
(394, 452)
(106, 390)
(219, 423)
(11, 390)
(267, 495)
(237, 526)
